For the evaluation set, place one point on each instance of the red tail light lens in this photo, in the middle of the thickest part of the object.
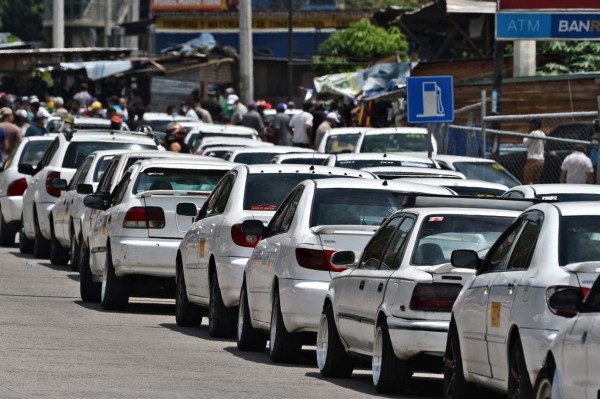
(565, 300)
(17, 187)
(241, 239)
(49, 178)
(316, 259)
(434, 297)
(139, 217)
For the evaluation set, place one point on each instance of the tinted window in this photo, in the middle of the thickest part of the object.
(491, 172)
(368, 163)
(77, 151)
(440, 235)
(177, 179)
(477, 191)
(395, 142)
(341, 143)
(393, 254)
(101, 167)
(254, 158)
(579, 239)
(106, 179)
(374, 249)
(347, 206)
(521, 254)
(498, 256)
(290, 212)
(34, 151)
(303, 161)
(569, 197)
(80, 174)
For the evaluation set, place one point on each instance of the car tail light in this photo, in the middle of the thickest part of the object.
(316, 259)
(17, 187)
(241, 239)
(434, 297)
(565, 300)
(140, 217)
(49, 178)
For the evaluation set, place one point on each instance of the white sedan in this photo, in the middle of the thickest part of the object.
(287, 276)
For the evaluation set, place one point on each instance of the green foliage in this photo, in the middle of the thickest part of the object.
(578, 56)
(358, 46)
(22, 18)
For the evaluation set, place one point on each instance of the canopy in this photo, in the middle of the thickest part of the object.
(98, 69)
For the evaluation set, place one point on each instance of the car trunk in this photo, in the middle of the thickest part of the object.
(586, 272)
(175, 225)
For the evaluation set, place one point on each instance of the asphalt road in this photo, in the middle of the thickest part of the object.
(54, 346)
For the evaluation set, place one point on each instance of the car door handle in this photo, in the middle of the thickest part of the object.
(379, 287)
(511, 286)
(361, 285)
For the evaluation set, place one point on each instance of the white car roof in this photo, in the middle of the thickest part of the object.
(224, 141)
(584, 208)
(179, 163)
(463, 211)
(396, 130)
(276, 149)
(113, 135)
(545, 189)
(392, 185)
(414, 170)
(317, 169)
(457, 158)
(302, 155)
(458, 183)
(346, 130)
(218, 128)
(47, 137)
(161, 116)
(381, 155)
(102, 153)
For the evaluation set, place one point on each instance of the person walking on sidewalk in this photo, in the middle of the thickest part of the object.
(535, 153)
(577, 168)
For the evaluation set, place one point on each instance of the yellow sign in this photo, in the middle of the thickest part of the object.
(495, 319)
(259, 22)
(201, 247)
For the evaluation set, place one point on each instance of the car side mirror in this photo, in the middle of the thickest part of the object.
(343, 259)
(187, 209)
(59, 184)
(83, 188)
(26, 169)
(97, 201)
(466, 259)
(566, 301)
(253, 227)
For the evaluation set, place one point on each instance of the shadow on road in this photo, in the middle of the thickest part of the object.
(307, 357)
(18, 254)
(164, 309)
(196, 332)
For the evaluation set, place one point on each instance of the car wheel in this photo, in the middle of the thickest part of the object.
(25, 244)
(74, 252)
(115, 290)
(186, 313)
(519, 385)
(332, 359)
(390, 374)
(543, 383)
(221, 319)
(58, 254)
(284, 347)
(89, 290)
(455, 385)
(7, 234)
(248, 338)
(41, 246)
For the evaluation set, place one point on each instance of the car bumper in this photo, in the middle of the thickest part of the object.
(412, 337)
(302, 303)
(536, 344)
(145, 256)
(12, 209)
(230, 272)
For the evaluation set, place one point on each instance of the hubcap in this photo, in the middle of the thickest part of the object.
(545, 390)
(241, 311)
(377, 356)
(322, 342)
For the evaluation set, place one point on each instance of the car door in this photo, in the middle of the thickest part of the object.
(63, 213)
(104, 186)
(471, 315)
(510, 288)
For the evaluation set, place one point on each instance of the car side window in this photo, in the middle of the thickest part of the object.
(515, 194)
(211, 202)
(224, 196)
(523, 250)
(277, 219)
(374, 249)
(80, 174)
(120, 189)
(105, 180)
(395, 250)
(48, 155)
(497, 257)
(291, 211)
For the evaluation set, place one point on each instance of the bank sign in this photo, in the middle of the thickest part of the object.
(547, 26)
(538, 5)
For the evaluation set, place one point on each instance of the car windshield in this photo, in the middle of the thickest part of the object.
(101, 167)
(568, 197)
(476, 191)
(34, 151)
(77, 151)
(341, 143)
(486, 171)
(177, 179)
(253, 158)
(579, 239)
(370, 163)
(395, 142)
(442, 234)
(266, 191)
(353, 206)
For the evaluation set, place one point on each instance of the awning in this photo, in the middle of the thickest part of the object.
(470, 6)
(98, 69)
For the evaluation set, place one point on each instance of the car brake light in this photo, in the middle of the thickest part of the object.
(49, 179)
(139, 217)
(17, 187)
(434, 297)
(316, 259)
(241, 239)
(564, 300)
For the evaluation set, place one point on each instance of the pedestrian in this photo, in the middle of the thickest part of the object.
(137, 119)
(21, 121)
(189, 112)
(172, 111)
(135, 101)
(319, 114)
(83, 97)
(38, 127)
(577, 168)
(301, 127)
(59, 105)
(202, 114)
(116, 122)
(280, 126)
(331, 119)
(252, 119)
(4, 145)
(535, 153)
(239, 109)
(12, 132)
(212, 105)
(175, 135)
(96, 110)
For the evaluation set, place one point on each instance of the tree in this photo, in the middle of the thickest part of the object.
(578, 56)
(358, 46)
(23, 18)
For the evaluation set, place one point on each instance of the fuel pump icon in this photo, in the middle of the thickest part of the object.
(432, 101)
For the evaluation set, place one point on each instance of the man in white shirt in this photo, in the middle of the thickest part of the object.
(301, 127)
(535, 153)
(577, 168)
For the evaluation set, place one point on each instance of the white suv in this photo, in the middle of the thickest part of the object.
(60, 161)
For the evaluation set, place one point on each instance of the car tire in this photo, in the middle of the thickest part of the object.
(519, 385)
(25, 244)
(74, 251)
(58, 254)
(455, 385)
(249, 339)
(7, 234)
(186, 313)
(390, 374)
(115, 290)
(221, 319)
(284, 347)
(544, 381)
(41, 246)
(89, 290)
(332, 359)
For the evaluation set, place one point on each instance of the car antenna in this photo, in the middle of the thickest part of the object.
(312, 167)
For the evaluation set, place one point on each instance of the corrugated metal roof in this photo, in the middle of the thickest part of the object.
(470, 7)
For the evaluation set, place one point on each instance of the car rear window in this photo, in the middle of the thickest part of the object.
(303, 161)
(34, 151)
(568, 197)
(486, 171)
(77, 151)
(477, 191)
(579, 239)
(395, 142)
(254, 158)
(370, 163)
(341, 143)
(177, 179)
(266, 191)
(101, 167)
(353, 206)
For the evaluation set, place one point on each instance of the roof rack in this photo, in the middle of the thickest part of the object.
(456, 201)
(68, 133)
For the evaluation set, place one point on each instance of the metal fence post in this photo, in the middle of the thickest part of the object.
(483, 115)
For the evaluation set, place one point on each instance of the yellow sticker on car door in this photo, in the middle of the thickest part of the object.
(495, 318)
(201, 246)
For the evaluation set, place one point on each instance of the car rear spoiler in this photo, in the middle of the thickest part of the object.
(443, 268)
(151, 193)
(455, 201)
(584, 267)
(344, 229)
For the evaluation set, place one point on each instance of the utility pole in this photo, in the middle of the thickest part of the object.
(108, 23)
(58, 24)
(246, 59)
(290, 49)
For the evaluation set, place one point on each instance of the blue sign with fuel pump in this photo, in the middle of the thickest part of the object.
(430, 99)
